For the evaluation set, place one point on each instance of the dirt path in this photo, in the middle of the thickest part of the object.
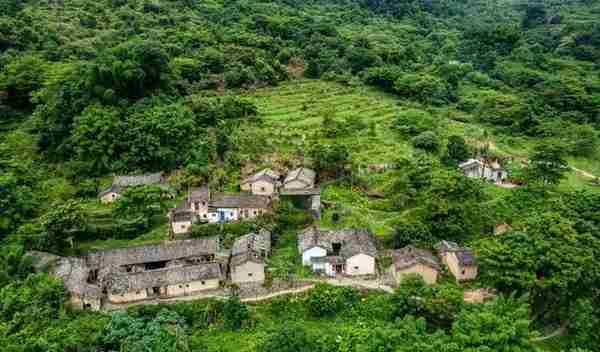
(583, 172)
(276, 294)
(558, 332)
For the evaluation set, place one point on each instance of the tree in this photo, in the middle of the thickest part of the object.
(59, 227)
(141, 205)
(325, 300)
(330, 159)
(500, 325)
(428, 141)
(584, 324)
(16, 203)
(289, 338)
(161, 333)
(547, 165)
(535, 14)
(411, 232)
(15, 264)
(234, 313)
(457, 151)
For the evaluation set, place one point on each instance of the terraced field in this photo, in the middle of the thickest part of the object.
(292, 117)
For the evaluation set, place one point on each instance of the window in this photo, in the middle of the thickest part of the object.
(463, 271)
(182, 227)
(180, 286)
(355, 268)
(129, 269)
(137, 292)
(187, 285)
(202, 282)
(204, 216)
(262, 189)
(249, 274)
(203, 203)
(255, 212)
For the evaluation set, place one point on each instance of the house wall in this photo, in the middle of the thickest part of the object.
(191, 287)
(249, 213)
(231, 214)
(248, 272)
(451, 261)
(295, 184)
(129, 296)
(263, 188)
(200, 207)
(319, 267)
(82, 302)
(428, 274)
(311, 253)
(360, 264)
(109, 197)
(181, 226)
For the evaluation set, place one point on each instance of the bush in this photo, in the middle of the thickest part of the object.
(234, 313)
(411, 232)
(414, 121)
(288, 339)
(427, 141)
(325, 300)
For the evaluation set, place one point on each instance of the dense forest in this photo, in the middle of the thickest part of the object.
(202, 90)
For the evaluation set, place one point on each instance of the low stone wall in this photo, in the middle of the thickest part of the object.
(253, 290)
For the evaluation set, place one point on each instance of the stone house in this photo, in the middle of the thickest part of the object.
(198, 199)
(459, 260)
(263, 183)
(412, 260)
(120, 183)
(301, 178)
(338, 252)
(224, 207)
(486, 169)
(182, 218)
(124, 275)
(247, 260)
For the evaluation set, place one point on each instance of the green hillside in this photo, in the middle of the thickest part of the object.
(383, 98)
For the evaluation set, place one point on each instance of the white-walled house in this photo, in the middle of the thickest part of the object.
(489, 170)
(120, 183)
(338, 252)
(459, 260)
(224, 207)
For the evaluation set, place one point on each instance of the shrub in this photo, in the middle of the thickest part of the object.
(234, 313)
(325, 300)
(414, 121)
(427, 141)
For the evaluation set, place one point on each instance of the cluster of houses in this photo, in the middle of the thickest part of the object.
(193, 266)
(259, 190)
(172, 269)
(352, 252)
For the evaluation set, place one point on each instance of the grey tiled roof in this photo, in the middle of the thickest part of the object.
(137, 180)
(464, 255)
(120, 281)
(265, 174)
(199, 193)
(352, 241)
(304, 175)
(154, 253)
(239, 200)
(409, 256)
(251, 247)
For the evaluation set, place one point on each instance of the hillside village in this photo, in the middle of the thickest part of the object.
(189, 267)
(315, 176)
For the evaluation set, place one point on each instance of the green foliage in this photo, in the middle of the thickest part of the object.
(325, 300)
(139, 205)
(15, 264)
(547, 165)
(413, 122)
(234, 313)
(425, 88)
(289, 338)
(411, 232)
(330, 159)
(457, 151)
(428, 141)
(584, 324)
(163, 333)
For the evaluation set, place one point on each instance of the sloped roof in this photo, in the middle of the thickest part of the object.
(446, 246)
(304, 175)
(410, 255)
(470, 163)
(252, 242)
(137, 180)
(154, 253)
(239, 200)
(264, 174)
(464, 255)
(74, 273)
(352, 241)
(119, 281)
(111, 188)
(199, 193)
(182, 212)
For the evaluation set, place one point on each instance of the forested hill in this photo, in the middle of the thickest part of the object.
(383, 98)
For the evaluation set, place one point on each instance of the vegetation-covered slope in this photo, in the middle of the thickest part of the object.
(382, 97)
